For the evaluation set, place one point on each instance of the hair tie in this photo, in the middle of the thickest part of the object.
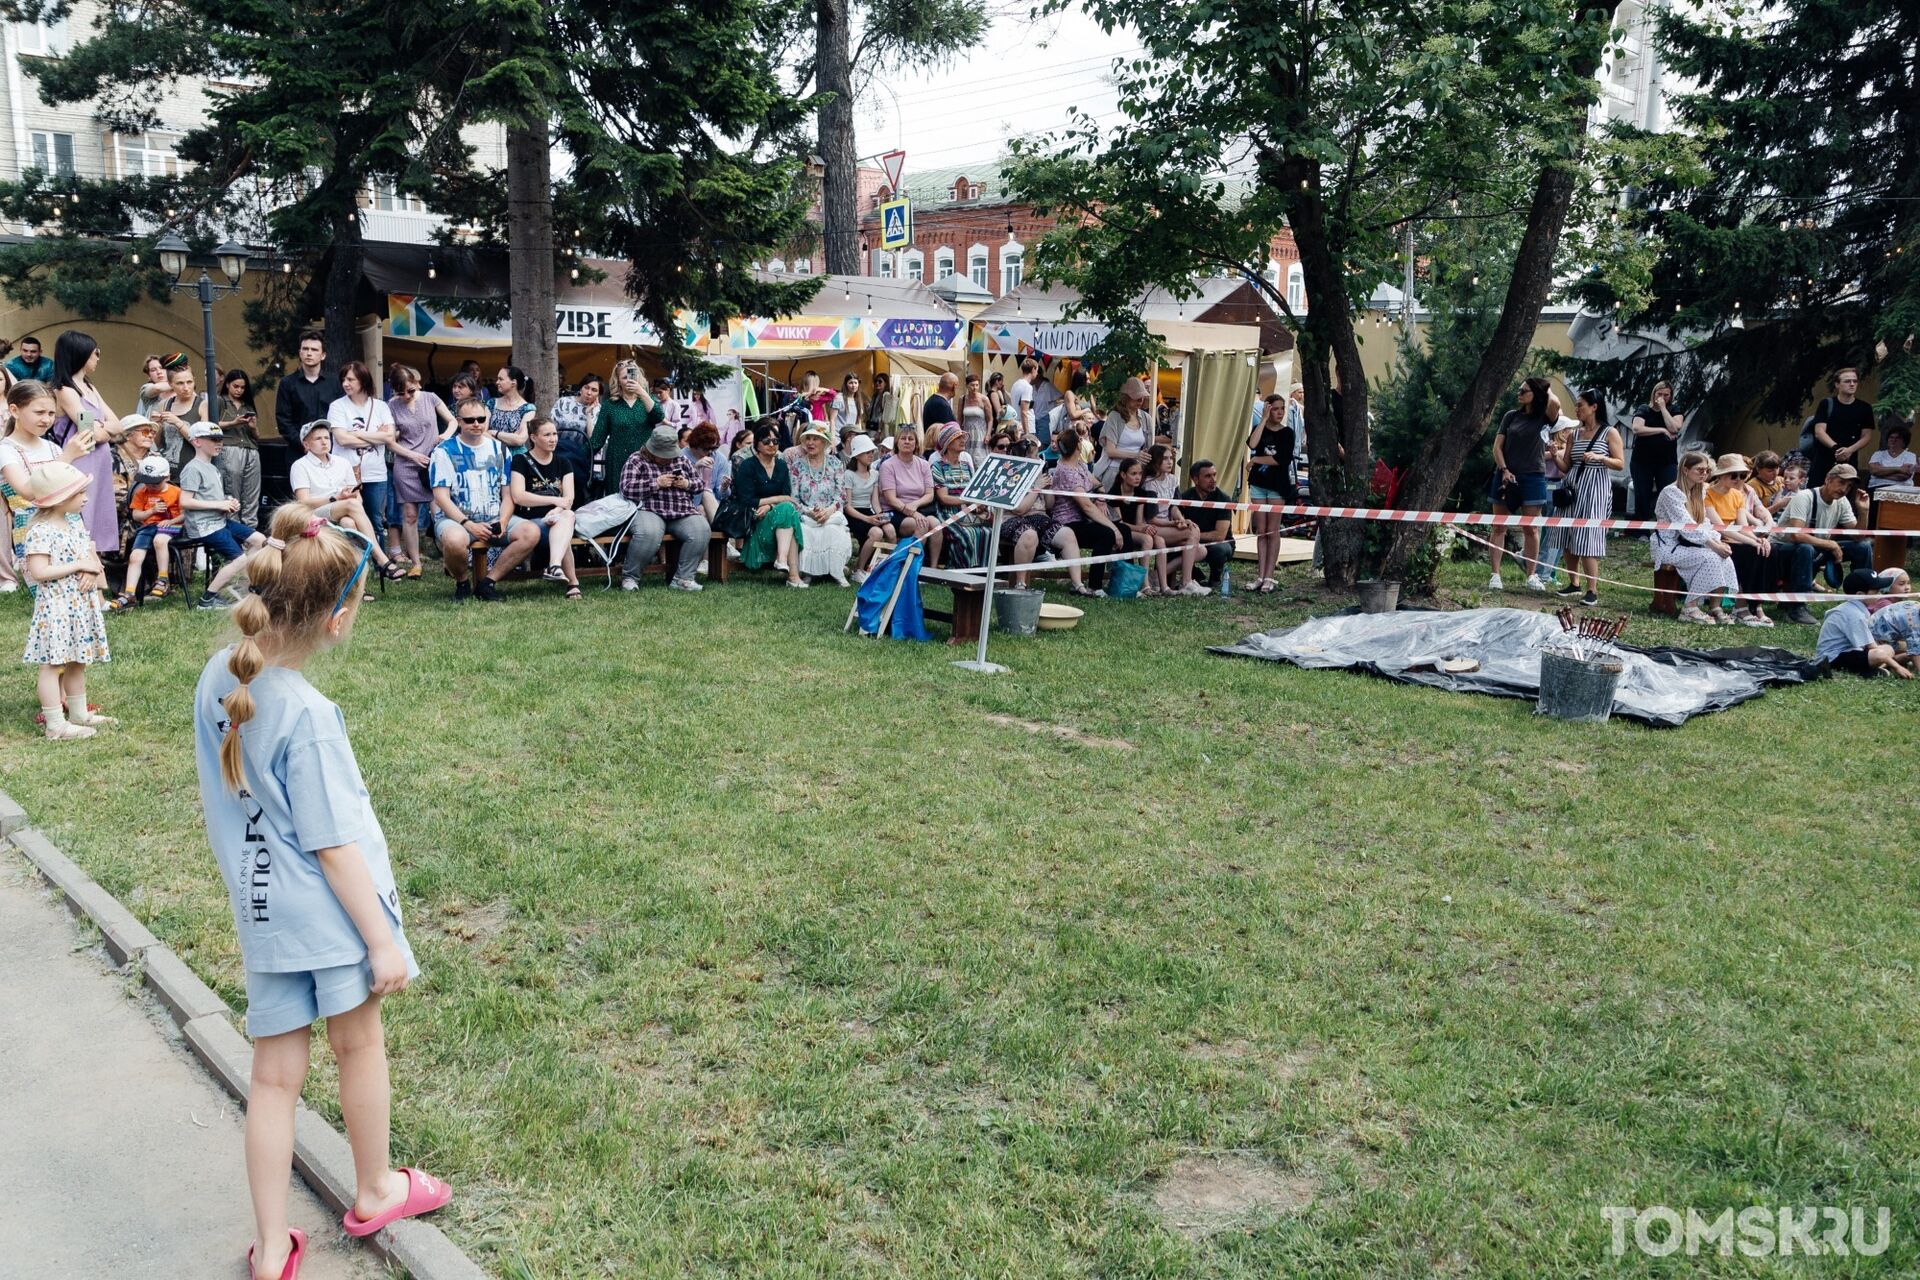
(276, 544)
(314, 526)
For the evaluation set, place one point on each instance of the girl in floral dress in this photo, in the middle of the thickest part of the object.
(69, 630)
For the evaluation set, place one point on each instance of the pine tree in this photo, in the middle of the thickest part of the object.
(1796, 249)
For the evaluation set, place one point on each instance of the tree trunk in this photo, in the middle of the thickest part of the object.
(344, 265)
(1328, 344)
(839, 181)
(1442, 457)
(530, 255)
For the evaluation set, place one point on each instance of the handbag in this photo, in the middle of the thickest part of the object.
(1125, 579)
(733, 518)
(1563, 494)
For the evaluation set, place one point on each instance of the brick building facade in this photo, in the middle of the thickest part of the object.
(965, 224)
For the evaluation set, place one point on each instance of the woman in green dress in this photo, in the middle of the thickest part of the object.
(624, 423)
(762, 487)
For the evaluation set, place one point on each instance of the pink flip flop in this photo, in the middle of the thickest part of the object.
(424, 1194)
(292, 1270)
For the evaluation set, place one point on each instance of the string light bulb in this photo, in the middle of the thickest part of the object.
(573, 273)
(136, 259)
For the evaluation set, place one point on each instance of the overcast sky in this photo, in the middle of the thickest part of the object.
(1023, 78)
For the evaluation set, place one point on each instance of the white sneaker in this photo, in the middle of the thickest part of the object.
(1534, 583)
(840, 580)
(859, 576)
(8, 587)
(629, 584)
(1195, 588)
(733, 552)
(685, 584)
(1494, 583)
(700, 570)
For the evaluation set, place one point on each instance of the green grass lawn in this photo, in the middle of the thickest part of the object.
(754, 949)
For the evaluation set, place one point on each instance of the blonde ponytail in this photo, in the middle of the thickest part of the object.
(296, 578)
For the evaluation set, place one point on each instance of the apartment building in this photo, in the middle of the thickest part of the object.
(72, 140)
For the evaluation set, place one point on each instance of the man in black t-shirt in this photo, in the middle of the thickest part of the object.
(1216, 523)
(1842, 428)
(938, 409)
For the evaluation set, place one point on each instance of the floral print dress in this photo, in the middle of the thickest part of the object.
(68, 623)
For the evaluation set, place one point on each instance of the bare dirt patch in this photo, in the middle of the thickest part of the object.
(1201, 1195)
(478, 925)
(1063, 731)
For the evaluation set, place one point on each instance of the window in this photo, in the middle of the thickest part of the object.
(143, 154)
(48, 38)
(53, 153)
(915, 263)
(778, 267)
(942, 263)
(387, 199)
(977, 265)
(1012, 257)
(1296, 288)
(886, 265)
(804, 267)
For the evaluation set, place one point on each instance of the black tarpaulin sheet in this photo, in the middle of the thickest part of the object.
(1660, 686)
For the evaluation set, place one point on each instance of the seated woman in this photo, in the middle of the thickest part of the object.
(966, 538)
(702, 450)
(906, 493)
(1175, 530)
(1029, 529)
(826, 543)
(1701, 556)
(1075, 507)
(860, 502)
(326, 481)
(1746, 528)
(541, 484)
(763, 489)
(1136, 525)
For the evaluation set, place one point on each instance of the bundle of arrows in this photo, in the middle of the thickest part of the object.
(1585, 637)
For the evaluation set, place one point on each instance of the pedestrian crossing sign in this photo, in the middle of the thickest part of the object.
(896, 224)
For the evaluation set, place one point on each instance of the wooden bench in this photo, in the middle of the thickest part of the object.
(969, 598)
(607, 543)
(1669, 589)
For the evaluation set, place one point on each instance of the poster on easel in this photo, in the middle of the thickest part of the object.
(1002, 481)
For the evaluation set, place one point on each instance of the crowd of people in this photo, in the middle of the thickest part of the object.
(491, 482)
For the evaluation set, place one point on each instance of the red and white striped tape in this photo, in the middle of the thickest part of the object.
(1438, 517)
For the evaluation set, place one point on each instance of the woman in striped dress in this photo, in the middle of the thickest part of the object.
(1590, 456)
(1699, 555)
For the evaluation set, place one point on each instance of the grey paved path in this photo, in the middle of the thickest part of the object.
(118, 1155)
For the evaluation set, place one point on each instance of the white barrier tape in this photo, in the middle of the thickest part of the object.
(1438, 517)
(1773, 597)
(1176, 550)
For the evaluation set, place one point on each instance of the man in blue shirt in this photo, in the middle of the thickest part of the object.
(1846, 640)
(30, 365)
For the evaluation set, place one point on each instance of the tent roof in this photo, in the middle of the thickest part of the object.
(896, 297)
(959, 287)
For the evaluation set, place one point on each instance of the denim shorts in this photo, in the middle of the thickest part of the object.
(281, 1002)
(1263, 494)
(229, 541)
(143, 536)
(1533, 489)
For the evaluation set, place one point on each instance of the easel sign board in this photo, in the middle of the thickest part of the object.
(1003, 481)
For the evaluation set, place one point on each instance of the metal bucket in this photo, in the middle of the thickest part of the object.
(1015, 610)
(1574, 690)
(1378, 595)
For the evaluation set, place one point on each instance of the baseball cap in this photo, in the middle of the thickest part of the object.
(153, 469)
(318, 424)
(1861, 582)
(1842, 471)
(205, 431)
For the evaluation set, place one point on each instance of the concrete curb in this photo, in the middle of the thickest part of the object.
(320, 1152)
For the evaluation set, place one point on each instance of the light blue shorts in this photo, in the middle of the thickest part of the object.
(1263, 494)
(281, 1002)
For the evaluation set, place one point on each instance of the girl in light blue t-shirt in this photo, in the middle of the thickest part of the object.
(306, 868)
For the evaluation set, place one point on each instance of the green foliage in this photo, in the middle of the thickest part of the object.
(1793, 250)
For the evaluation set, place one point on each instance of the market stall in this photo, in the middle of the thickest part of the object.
(855, 324)
(1209, 372)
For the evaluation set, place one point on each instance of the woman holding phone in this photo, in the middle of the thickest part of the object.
(85, 415)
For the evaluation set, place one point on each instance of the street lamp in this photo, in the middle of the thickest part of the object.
(233, 264)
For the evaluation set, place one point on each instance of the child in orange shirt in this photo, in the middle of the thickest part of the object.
(154, 506)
